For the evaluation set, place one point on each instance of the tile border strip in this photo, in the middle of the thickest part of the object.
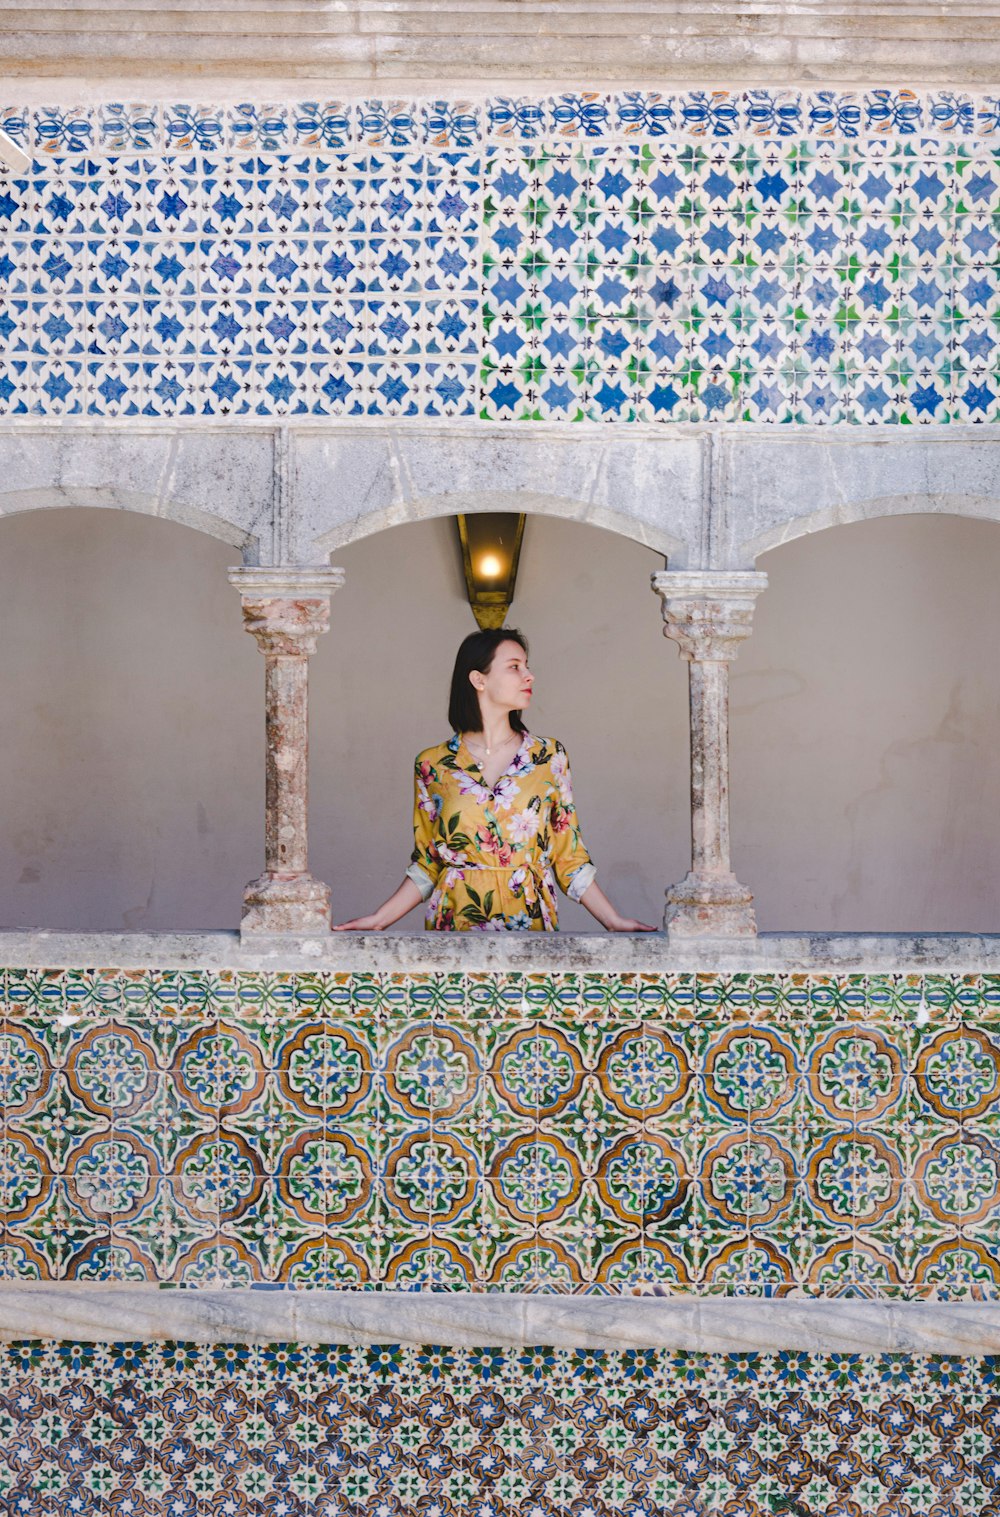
(156, 127)
(115, 1313)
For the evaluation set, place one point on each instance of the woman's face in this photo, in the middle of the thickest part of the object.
(506, 685)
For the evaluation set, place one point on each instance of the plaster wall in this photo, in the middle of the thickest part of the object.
(865, 721)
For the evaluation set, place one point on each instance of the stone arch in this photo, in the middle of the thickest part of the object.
(867, 687)
(533, 503)
(844, 512)
(124, 642)
(45, 497)
(349, 485)
(206, 479)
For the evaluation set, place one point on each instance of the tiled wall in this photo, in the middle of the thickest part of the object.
(767, 256)
(567, 1133)
(292, 1431)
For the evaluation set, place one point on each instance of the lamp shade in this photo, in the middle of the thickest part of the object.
(491, 546)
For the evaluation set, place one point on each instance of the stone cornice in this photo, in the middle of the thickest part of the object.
(413, 43)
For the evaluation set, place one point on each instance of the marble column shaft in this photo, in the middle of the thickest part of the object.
(285, 611)
(708, 614)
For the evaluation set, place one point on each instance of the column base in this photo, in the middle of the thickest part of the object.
(710, 907)
(296, 904)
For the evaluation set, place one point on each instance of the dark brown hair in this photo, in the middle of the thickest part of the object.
(477, 652)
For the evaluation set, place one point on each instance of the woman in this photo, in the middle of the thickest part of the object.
(494, 824)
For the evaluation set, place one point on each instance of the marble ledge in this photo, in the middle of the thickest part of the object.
(123, 1313)
(420, 952)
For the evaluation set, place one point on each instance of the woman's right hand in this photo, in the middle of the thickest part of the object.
(360, 924)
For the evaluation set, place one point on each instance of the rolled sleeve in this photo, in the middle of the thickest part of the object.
(422, 880)
(580, 881)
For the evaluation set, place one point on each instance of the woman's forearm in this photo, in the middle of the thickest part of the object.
(608, 915)
(399, 903)
(599, 906)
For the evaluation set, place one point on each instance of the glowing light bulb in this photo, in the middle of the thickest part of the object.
(490, 565)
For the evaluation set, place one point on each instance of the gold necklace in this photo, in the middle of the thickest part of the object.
(489, 751)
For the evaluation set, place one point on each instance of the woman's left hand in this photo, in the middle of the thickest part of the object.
(629, 924)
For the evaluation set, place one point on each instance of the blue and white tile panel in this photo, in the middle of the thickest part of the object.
(326, 285)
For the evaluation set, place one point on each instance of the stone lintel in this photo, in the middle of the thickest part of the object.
(438, 46)
(653, 483)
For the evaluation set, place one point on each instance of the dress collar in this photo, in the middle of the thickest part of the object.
(520, 758)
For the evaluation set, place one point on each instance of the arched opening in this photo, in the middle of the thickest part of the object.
(132, 752)
(866, 730)
(607, 685)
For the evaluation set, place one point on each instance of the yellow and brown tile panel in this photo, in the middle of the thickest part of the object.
(568, 1133)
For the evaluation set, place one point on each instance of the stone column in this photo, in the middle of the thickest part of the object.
(285, 610)
(708, 615)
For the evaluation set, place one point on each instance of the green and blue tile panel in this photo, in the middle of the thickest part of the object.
(695, 1134)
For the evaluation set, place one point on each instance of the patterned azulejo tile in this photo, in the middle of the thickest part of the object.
(287, 1430)
(719, 257)
(692, 1133)
(719, 115)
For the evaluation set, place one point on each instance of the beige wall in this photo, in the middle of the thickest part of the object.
(865, 728)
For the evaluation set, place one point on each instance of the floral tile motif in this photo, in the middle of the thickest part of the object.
(290, 1428)
(129, 126)
(719, 115)
(831, 1135)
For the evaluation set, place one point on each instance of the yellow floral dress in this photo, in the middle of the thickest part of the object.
(490, 859)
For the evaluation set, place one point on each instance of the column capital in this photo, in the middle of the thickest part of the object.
(708, 613)
(287, 581)
(286, 609)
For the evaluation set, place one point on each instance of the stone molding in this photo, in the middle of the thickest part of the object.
(296, 582)
(117, 1312)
